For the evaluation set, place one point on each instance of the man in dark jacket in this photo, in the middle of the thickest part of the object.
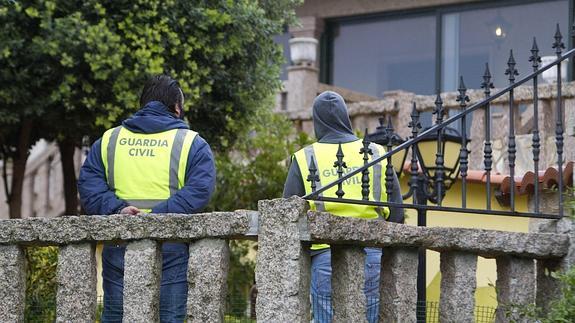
(152, 163)
(332, 128)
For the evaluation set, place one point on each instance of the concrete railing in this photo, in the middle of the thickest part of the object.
(284, 229)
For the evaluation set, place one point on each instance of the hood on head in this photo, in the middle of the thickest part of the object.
(331, 120)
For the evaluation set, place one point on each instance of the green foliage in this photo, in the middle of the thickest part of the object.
(257, 166)
(254, 170)
(563, 310)
(560, 310)
(241, 277)
(86, 61)
(41, 284)
(75, 67)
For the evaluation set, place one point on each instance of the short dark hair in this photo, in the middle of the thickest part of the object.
(164, 89)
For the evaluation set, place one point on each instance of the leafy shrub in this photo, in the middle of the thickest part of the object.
(41, 284)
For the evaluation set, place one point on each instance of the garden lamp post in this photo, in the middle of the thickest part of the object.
(385, 136)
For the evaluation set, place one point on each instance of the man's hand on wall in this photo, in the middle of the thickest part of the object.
(130, 210)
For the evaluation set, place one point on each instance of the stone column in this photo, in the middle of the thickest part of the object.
(308, 27)
(348, 280)
(458, 283)
(515, 286)
(12, 283)
(567, 226)
(303, 76)
(398, 285)
(76, 278)
(142, 273)
(547, 286)
(283, 262)
(207, 280)
(302, 87)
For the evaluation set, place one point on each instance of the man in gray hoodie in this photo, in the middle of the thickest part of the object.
(333, 131)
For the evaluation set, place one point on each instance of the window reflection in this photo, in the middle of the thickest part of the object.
(381, 55)
(475, 37)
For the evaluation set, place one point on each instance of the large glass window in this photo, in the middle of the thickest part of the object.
(373, 56)
(398, 52)
(475, 37)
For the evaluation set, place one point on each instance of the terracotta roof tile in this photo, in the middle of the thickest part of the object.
(525, 184)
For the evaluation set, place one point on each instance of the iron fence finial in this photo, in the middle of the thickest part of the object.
(340, 165)
(487, 85)
(511, 71)
(535, 58)
(558, 44)
(312, 177)
(462, 98)
(439, 111)
(414, 123)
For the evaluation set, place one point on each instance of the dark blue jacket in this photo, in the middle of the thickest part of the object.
(97, 198)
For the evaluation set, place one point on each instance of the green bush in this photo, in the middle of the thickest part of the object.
(241, 277)
(41, 284)
(255, 169)
(563, 309)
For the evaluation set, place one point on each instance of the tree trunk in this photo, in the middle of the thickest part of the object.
(67, 149)
(19, 169)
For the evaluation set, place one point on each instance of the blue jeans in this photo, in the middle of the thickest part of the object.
(173, 290)
(321, 285)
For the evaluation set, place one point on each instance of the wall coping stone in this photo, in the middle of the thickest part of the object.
(317, 226)
(173, 227)
(391, 100)
(326, 228)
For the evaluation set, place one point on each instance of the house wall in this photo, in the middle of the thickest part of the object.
(339, 8)
(43, 188)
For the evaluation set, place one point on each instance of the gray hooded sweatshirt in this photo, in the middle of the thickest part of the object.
(332, 125)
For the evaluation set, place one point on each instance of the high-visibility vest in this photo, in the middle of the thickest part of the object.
(146, 169)
(324, 156)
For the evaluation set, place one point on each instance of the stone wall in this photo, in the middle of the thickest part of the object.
(398, 105)
(339, 8)
(284, 229)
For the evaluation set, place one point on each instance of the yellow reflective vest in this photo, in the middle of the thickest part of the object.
(324, 156)
(145, 169)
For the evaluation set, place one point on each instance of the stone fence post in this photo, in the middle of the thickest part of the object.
(398, 285)
(142, 272)
(76, 277)
(283, 262)
(349, 302)
(547, 285)
(515, 286)
(12, 283)
(207, 280)
(458, 283)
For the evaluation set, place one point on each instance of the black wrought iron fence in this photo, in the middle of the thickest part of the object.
(439, 177)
